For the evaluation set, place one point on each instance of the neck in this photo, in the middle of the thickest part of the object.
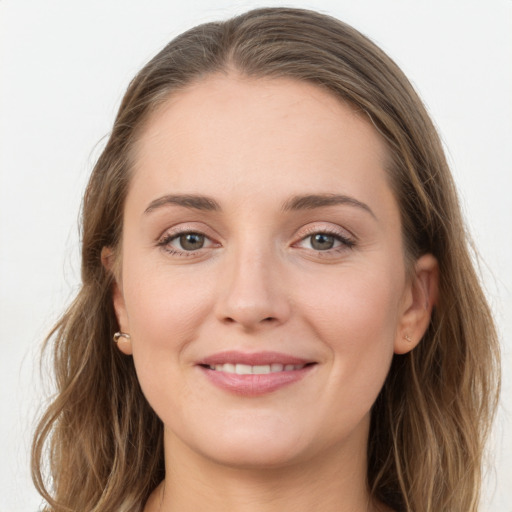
(331, 482)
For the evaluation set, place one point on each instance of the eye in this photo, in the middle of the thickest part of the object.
(325, 241)
(185, 242)
(322, 241)
(191, 241)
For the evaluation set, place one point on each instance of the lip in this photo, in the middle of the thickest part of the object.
(254, 384)
(252, 358)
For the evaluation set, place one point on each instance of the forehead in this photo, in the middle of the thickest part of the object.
(227, 131)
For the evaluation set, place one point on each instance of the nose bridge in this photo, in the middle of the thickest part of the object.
(251, 291)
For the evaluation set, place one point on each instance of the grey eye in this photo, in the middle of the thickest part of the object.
(322, 241)
(191, 241)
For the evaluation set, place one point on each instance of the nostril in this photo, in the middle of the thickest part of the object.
(267, 320)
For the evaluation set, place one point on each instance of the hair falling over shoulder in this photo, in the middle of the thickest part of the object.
(99, 445)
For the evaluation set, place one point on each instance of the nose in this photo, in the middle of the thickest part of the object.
(252, 292)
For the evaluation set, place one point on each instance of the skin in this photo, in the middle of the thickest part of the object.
(260, 283)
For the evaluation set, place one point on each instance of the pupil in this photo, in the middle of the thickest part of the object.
(192, 241)
(322, 242)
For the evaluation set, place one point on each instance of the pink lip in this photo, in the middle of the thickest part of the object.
(255, 358)
(253, 385)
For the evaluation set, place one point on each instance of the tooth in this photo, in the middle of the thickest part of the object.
(229, 368)
(243, 369)
(246, 369)
(265, 368)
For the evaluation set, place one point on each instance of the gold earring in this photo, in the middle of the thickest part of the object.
(118, 335)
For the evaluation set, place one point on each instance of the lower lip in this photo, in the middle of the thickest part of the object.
(254, 384)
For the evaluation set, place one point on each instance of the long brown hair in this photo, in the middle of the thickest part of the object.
(101, 439)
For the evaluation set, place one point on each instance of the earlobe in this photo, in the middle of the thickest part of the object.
(107, 255)
(124, 340)
(421, 297)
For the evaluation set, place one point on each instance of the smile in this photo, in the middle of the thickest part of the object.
(254, 374)
(246, 369)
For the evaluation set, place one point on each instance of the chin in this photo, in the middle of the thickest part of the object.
(256, 455)
(250, 446)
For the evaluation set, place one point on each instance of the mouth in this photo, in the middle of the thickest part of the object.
(259, 369)
(254, 374)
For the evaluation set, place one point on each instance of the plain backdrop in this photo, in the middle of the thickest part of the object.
(64, 66)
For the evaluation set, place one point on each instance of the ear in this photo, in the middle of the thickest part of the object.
(419, 300)
(108, 260)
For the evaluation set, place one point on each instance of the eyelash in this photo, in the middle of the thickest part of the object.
(345, 242)
(166, 240)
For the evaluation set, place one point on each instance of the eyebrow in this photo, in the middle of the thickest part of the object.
(312, 201)
(195, 202)
(295, 203)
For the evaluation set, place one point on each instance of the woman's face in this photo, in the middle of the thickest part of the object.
(263, 280)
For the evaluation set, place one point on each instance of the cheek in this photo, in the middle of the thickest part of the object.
(163, 305)
(356, 305)
(356, 316)
(164, 313)
(164, 317)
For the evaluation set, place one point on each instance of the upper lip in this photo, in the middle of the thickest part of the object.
(252, 359)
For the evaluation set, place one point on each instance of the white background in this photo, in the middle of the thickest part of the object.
(64, 66)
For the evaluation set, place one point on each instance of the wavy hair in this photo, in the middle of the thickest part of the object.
(99, 445)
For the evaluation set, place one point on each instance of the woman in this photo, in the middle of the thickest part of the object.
(278, 310)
